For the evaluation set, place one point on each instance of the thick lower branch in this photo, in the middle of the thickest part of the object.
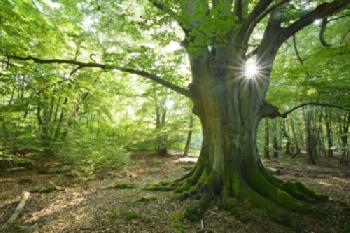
(271, 111)
(344, 108)
(81, 65)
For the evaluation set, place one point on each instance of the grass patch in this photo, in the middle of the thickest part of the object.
(127, 215)
(176, 219)
(45, 189)
(112, 215)
(56, 170)
(131, 215)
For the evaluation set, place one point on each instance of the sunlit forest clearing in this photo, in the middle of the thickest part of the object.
(174, 116)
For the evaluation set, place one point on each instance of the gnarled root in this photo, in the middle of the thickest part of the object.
(255, 187)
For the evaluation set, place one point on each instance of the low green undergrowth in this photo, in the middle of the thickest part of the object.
(177, 224)
(131, 215)
(88, 156)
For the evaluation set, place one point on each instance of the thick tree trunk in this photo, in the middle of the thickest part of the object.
(230, 106)
(229, 167)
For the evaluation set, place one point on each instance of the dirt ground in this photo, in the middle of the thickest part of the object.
(114, 201)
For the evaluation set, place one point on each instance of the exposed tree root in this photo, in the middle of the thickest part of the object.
(162, 186)
(242, 192)
(196, 211)
(256, 188)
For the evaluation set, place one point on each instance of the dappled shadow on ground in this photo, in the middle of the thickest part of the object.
(114, 200)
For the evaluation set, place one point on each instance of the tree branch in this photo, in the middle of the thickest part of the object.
(261, 10)
(81, 65)
(260, 7)
(345, 35)
(322, 32)
(270, 111)
(321, 11)
(339, 17)
(162, 7)
(19, 208)
(344, 108)
(300, 59)
(238, 10)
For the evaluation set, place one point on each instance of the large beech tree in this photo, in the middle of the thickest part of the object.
(229, 103)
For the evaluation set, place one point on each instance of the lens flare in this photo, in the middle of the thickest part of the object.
(251, 69)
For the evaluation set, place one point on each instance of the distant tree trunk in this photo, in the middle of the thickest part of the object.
(43, 127)
(329, 134)
(11, 96)
(295, 138)
(311, 142)
(275, 140)
(321, 143)
(284, 128)
(344, 138)
(267, 140)
(161, 137)
(189, 136)
(58, 131)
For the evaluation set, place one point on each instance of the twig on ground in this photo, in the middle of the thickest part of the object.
(18, 210)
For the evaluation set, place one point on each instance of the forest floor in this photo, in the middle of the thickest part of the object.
(115, 201)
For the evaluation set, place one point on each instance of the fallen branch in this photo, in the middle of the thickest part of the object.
(19, 209)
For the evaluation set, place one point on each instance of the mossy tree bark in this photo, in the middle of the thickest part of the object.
(230, 108)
